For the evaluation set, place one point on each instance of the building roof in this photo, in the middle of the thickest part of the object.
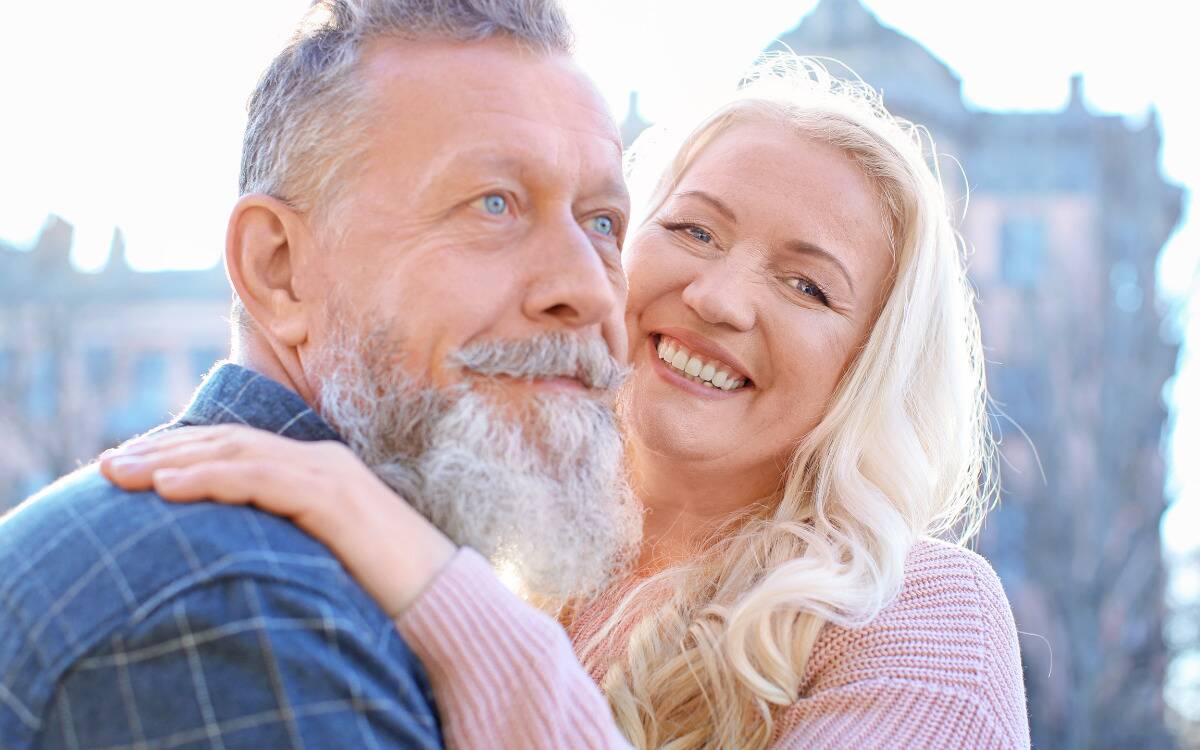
(45, 273)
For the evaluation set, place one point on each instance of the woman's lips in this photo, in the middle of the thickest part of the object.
(693, 383)
(705, 349)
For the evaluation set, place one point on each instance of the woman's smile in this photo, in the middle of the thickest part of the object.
(689, 362)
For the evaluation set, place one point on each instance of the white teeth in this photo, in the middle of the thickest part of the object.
(671, 352)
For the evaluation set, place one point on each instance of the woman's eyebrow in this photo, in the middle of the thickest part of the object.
(807, 248)
(717, 204)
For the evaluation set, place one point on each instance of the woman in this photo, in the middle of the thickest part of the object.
(806, 410)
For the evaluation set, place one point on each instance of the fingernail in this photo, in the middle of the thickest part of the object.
(126, 463)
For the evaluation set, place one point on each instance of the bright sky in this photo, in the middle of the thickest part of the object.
(131, 113)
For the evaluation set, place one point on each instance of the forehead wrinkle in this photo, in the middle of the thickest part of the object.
(581, 103)
(606, 132)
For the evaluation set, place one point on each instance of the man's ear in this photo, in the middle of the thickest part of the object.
(264, 247)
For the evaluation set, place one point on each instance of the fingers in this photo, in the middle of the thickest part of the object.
(274, 486)
(269, 485)
(132, 466)
(166, 438)
(235, 465)
(135, 471)
(322, 487)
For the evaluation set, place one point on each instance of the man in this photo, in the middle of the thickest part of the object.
(425, 261)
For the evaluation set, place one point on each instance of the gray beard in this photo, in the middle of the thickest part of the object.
(541, 492)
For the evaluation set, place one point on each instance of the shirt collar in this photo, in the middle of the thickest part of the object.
(232, 394)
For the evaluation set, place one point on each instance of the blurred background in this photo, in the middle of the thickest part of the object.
(1069, 149)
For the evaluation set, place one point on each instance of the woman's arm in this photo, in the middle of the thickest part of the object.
(889, 713)
(504, 674)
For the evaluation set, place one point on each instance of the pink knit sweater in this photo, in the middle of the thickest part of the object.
(938, 668)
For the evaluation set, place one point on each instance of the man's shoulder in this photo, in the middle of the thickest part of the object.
(83, 560)
(83, 530)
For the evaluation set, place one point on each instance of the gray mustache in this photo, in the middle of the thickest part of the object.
(547, 355)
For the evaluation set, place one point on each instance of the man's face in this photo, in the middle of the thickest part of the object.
(489, 205)
(470, 301)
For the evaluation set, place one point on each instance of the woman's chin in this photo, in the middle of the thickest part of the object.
(667, 429)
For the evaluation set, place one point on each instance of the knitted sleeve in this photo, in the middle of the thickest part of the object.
(938, 668)
(503, 674)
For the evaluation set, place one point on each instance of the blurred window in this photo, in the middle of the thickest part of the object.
(1022, 394)
(202, 359)
(150, 384)
(1022, 251)
(99, 361)
(146, 405)
(44, 385)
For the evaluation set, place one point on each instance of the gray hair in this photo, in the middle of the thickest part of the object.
(303, 113)
(304, 117)
(539, 486)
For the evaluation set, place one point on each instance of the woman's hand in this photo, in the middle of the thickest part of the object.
(391, 550)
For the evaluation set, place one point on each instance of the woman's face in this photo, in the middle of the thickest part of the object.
(761, 274)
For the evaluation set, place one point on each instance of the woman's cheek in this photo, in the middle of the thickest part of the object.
(645, 273)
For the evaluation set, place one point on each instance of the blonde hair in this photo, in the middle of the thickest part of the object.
(902, 451)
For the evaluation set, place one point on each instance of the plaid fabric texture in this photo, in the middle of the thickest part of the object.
(129, 622)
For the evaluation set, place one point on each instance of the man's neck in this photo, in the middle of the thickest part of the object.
(252, 351)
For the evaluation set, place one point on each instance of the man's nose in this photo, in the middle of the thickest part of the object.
(570, 284)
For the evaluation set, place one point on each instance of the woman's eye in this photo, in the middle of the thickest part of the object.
(699, 234)
(493, 203)
(804, 286)
(603, 225)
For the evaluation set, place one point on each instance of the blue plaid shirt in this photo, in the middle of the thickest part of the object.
(130, 622)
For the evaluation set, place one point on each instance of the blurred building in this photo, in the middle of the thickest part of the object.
(1067, 214)
(90, 359)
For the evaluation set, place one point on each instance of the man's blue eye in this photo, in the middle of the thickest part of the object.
(603, 225)
(495, 204)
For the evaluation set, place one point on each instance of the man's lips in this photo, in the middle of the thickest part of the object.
(560, 382)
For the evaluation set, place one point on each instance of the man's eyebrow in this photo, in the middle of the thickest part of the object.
(717, 204)
(614, 188)
(482, 156)
(807, 248)
(490, 158)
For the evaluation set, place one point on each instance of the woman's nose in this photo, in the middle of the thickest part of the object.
(723, 293)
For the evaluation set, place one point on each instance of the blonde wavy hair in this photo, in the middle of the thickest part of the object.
(903, 450)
